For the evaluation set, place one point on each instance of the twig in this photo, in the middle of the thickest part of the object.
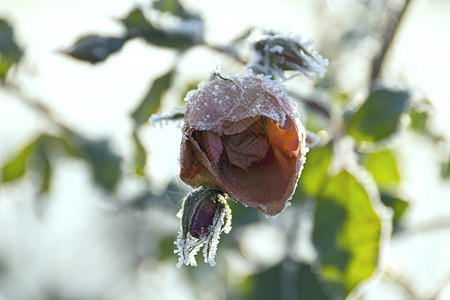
(312, 104)
(229, 50)
(39, 107)
(393, 23)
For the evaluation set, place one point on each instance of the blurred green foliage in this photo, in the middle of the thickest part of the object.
(10, 52)
(346, 227)
(379, 115)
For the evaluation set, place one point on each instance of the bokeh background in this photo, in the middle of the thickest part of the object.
(82, 239)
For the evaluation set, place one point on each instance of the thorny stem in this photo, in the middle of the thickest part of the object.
(391, 29)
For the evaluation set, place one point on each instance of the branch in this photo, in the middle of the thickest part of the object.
(312, 104)
(392, 25)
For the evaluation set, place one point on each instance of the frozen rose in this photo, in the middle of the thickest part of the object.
(242, 135)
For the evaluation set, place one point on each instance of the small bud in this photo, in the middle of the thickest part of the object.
(205, 214)
(203, 218)
(274, 53)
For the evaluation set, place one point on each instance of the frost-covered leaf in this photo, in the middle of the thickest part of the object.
(398, 205)
(16, 167)
(379, 116)
(94, 49)
(10, 52)
(179, 36)
(383, 167)
(152, 101)
(346, 234)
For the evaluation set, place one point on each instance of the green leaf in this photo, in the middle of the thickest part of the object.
(140, 155)
(10, 52)
(16, 167)
(285, 281)
(378, 117)
(172, 6)
(266, 285)
(346, 234)
(445, 169)
(398, 205)
(383, 167)
(104, 164)
(138, 25)
(94, 48)
(419, 115)
(152, 101)
(46, 172)
(308, 286)
(315, 173)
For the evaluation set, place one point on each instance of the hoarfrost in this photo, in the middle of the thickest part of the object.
(274, 52)
(175, 114)
(241, 96)
(188, 246)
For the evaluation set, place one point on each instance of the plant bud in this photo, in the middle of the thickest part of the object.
(205, 214)
(274, 53)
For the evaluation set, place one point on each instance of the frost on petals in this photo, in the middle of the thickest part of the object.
(204, 215)
(242, 135)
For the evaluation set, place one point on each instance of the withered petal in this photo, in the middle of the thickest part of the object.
(244, 137)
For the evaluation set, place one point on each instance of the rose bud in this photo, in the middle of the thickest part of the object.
(273, 53)
(205, 214)
(242, 135)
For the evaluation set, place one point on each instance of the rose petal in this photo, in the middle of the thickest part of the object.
(213, 145)
(262, 149)
(283, 139)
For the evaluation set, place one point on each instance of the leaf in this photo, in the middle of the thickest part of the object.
(138, 25)
(308, 286)
(47, 172)
(152, 101)
(285, 281)
(445, 169)
(104, 164)
(10, 52)
(383, 167)
(95, 49)
(315, 173)
(172, 6)
(398, 205)
(266, 285)
(15, 168)
(140, 155)
(378, 117)
(346, 234)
